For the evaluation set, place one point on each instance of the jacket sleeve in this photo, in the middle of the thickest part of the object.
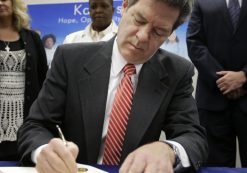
(182, 123)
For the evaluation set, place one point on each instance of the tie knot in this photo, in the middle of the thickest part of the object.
(129, 69)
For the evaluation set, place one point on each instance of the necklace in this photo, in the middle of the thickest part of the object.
(7, 48)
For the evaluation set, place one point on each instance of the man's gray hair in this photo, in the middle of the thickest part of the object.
(184, 7)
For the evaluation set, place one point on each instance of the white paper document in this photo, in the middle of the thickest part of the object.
(90, 169)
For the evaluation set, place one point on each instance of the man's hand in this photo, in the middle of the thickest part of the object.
(230, 80)
(157, 157)
(57, 158)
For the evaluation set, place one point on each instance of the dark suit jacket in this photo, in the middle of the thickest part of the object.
(75, 92)
(213, 45)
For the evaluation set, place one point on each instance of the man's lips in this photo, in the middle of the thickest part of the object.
(99, 16)
(135, 47)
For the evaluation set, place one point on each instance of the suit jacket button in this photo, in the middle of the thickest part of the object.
(198, 164)
(28, 54)
(28, 97)
(28, 68)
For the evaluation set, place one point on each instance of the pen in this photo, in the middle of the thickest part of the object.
(61, 135)
(79, 170)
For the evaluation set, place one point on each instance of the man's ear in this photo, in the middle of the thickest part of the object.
(124, 6)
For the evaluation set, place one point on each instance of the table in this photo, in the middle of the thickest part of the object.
(222, 170)
(8, 163)
(114, 169)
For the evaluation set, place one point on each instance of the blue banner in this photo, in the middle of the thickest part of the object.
(62, 19)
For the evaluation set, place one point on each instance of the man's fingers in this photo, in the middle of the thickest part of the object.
(47, 161)
(73, 149)
(43, 166)
(64, 152)
(48, 156)
(226, 91)
(219, 81)
(138, 164)
(153, 168)
(57, 158)
(150, 158)
(221, 73)
(126, 164)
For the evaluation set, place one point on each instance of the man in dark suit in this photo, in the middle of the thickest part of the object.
(217, 41)
(79, 92)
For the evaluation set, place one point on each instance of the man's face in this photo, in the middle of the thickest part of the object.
(101, 12)
(143, 28)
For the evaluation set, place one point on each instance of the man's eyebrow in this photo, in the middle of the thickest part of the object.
(138, 14)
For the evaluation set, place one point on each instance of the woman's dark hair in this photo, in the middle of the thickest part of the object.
(45, 37)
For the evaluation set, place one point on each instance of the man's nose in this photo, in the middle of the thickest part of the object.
(143, 34)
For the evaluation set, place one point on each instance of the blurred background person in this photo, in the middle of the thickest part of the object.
(23, 69)
(102, 27)
(175, 45)
(49, 42)
(216, 40)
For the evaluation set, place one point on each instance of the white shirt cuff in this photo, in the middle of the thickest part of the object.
(182, 155)
(36, 152)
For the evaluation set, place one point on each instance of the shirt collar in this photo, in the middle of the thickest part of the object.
(100, 34)
(118, 62)
(240, 2)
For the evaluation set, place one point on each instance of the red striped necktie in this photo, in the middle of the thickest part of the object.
(119, 118)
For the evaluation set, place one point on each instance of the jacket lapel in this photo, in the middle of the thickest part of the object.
(147, 100)
(93, 88)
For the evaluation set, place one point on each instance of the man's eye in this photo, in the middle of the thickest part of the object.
(138, 22)
(93, 6)
(105, 6)
(160, 33)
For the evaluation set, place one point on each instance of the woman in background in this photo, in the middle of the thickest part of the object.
(49, 42)
(23, 68)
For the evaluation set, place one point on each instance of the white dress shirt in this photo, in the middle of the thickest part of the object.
(49, 55)
(240, 2)
(90, 35)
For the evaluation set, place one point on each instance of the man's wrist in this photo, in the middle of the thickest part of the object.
(175, 152)
(36, 152)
